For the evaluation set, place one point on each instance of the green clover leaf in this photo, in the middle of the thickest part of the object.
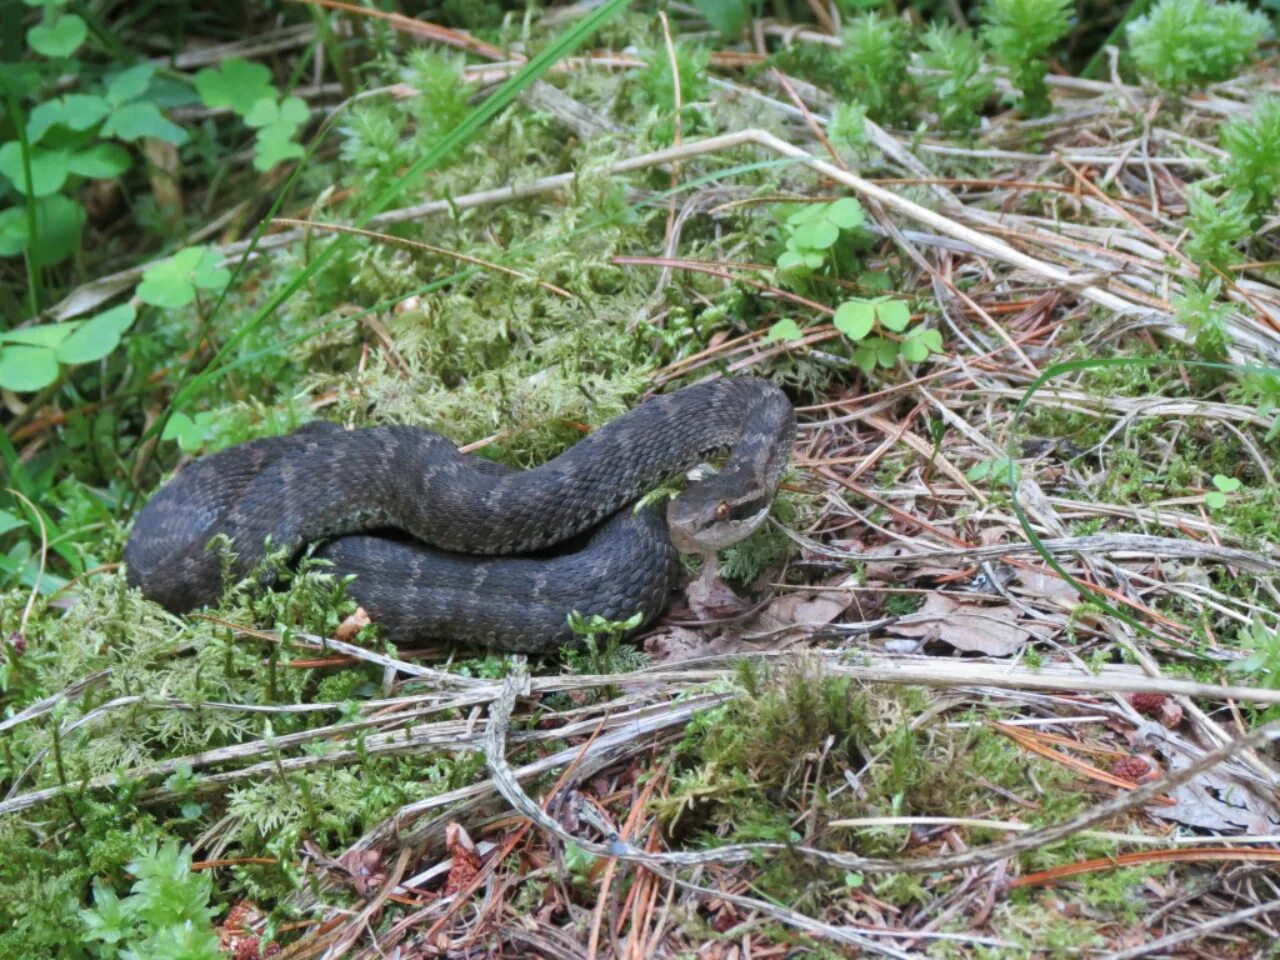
(48, 168)
(272, 147)
(100, 161)
(236, 83)
(290, 113)
(920, 344)
(96, 337)
(59, 221)
(190, 433)
(893, 314)
(59, 37)
(846, 213)
(75, 111)
(1226, 484)
(129, 84)
(25, 369)
(784, 329)
(855, 318)
(816, 234)
(173, 282)
(13, 231)
(912, 350)
(141, 118)
(807, 213)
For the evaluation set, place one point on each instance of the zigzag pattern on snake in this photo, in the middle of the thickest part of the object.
(449, 546)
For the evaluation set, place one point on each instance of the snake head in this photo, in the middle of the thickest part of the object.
(718, 512)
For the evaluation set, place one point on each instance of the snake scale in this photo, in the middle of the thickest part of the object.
(449, 546)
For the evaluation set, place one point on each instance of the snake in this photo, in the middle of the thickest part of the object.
(446, 546)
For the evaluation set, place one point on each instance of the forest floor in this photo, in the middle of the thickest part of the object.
(1000, 678)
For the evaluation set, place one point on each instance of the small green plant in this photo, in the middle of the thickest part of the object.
(1261, 666)
(247, 91)
(857, 319)
(1216, 499)
(1205, 319)
(1253, 146)
(960, 88)
(1183, 44)
(67, 139)
(876, 58)
(656, 90)
(1261, 391)
(811, 239)
(602, 647)
(1002, 471)
(31, 357)
(1217, 225)
(166, 915)
(1020, 34)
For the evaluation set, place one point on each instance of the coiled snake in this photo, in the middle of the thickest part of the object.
(430, 533)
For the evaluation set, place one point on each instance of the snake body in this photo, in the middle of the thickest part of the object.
(449, 546)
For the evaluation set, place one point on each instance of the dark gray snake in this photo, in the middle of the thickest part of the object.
(407, 514)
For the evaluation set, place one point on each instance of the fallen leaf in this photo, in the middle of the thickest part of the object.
(997, 631)
(674, 644)
(710, 598)
(1215, 802)
(1044, 584)
(466, 859)
(352, 625)
(807, 608)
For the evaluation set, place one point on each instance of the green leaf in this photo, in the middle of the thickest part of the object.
(846, 213)
(855, 318)
(10, 522)
(790, 260)
(47, 335)
(1215, 499)
(59, 221)
(817, 234)
(912, 350)
(97, 336)
(978, 470)
(173, 282)
(142, 119)
(932, 339)
(727, 16)
(288, 114)
(48, 168)
(808, 213)
(271, 148)
(893, 314)
(75, 111)
(237, 84)
(864, 358)
(1226, 484)
(129, 84)
(60, 37)
(784, 329)
(13, 231)
(100, 161)
(189, 433)
(886, 352)
(25, 369)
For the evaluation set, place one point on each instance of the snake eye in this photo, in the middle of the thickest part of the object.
(722, 511)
